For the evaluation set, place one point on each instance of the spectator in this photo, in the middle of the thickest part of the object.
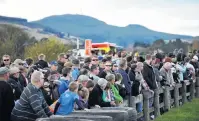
(14, 82)
(6, 96)
(94, 72)
(32, 104)
(107, 95)
(156, 65)
(6, 61)
(194, 62)
(114, 67)
(29, 61)
(83, 98)
(83, 79)
(102, 65)
(111, 79)
(165, 72)
(42, 63)
(54, 66)
(119, 86)
(68, 65)
(125, 78)
(95, 97)
(90, 85)
(65, 104)
(107, 70)
(22, 77)
(75, 71)
(95, 60)
(61, 61)
(65, 80)
(148, 73)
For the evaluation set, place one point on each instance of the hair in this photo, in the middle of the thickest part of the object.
(83, 71)
(93, 67)
(108, 86)
(6, 56)
(104, 60)
(129, 59)
(41, 57)
(122, 63)
(61, 55)
(94, 56)
(87, 60)
(66, 71)
(36, 76)
(148, 57)
(118, 77)
(110, 77)
(73, 86)
(84, 93)
(29, 61)
(90, 84)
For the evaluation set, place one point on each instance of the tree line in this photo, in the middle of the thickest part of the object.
(17, 43)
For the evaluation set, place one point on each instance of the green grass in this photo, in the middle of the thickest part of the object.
(187, 112)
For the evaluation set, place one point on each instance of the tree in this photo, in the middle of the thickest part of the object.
(13, 41)
(195, 45)
(158, 43)
(51, 48)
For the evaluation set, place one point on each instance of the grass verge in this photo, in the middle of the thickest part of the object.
(187, 112)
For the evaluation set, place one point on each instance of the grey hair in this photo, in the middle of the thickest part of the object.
(122, 63)
(36, 76)
(110, 77)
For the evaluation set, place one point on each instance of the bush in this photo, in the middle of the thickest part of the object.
(50, 47)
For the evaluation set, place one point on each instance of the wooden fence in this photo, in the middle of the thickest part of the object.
(173, 97)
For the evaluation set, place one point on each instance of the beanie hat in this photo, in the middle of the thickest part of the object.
(195, 57)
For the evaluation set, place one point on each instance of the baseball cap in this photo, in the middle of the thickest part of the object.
(53, 63)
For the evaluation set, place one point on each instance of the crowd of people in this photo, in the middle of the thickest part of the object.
(31, 90)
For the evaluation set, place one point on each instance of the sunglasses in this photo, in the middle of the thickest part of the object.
(21, 64)
(6, 60)
(108, 65)
(95, 60)
(115, 66)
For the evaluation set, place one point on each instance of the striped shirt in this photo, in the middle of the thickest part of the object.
(31, 105)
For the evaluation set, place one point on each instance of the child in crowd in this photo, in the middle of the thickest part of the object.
(108, 94)
(65, 104)
(83, 97)
(90, 85)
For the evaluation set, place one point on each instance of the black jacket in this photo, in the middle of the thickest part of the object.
(6, 101)
(16, 87)
(22, 80)
(103, 74)
(60, 67)
(42, 64)
(95, 97)
(149, 76)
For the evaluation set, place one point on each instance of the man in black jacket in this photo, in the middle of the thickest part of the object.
(42, 63)
(61, 61)
(6, 96)
(148, 73)
(15, 83)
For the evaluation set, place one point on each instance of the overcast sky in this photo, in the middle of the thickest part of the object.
(172, 16)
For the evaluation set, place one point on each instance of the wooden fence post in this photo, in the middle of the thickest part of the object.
(167, 98)
(156, 103)
(192, 89)
(133, 103)
(146, 97)
(197, 87)
(176, 95)
(184, 91)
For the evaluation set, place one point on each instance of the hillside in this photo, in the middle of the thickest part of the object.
(99, 31)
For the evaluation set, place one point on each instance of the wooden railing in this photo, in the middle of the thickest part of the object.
(173, 97)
